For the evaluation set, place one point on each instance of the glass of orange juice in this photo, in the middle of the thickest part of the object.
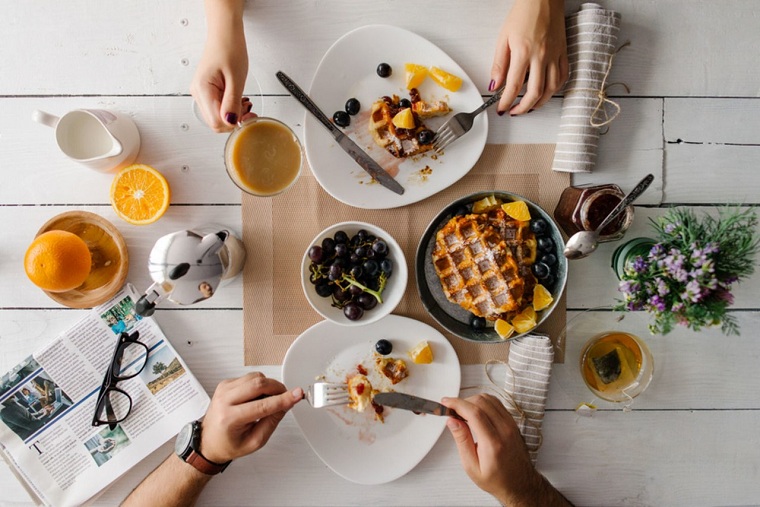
(263, 156)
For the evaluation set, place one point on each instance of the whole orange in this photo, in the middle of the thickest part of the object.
(57, 261)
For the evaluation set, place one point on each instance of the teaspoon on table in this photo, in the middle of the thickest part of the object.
(583, 243)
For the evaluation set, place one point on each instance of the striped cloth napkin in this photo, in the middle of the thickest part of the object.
(527, 383)
(591, 44)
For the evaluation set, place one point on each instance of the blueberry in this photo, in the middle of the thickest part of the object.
(404, 103)
(539, 226)
(353, 106)
(384, 70)
(549, 259)
(548, 281)
(425, 136)
(384, 347)
(461, 210)
(545, 244)
(477, 323)
(342, 119)
(541, 270)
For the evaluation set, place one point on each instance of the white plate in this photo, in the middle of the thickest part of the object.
(348, 70)
(354, 445)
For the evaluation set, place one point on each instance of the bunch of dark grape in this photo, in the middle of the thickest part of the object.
(352, 271)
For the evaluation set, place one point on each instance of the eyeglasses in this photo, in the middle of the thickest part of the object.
(129, 359)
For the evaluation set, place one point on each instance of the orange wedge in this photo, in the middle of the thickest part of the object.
(139, 194)
(415, 75)
(449, 81)
(422, 353)
(541, 297)
(404, 119)
(503, 329)
(517, 210)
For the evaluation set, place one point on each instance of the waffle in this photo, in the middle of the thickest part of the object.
(402, 143)
(483, 262)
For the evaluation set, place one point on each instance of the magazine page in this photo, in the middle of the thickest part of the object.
(48, 402)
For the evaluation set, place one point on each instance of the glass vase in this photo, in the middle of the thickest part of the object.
(628, 251)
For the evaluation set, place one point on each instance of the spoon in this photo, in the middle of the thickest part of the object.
(583, 243)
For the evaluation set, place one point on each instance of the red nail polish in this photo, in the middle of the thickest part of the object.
(230, 118)
(491, 85)
(500, 113)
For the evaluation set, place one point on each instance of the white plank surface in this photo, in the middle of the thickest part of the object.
(692, 120)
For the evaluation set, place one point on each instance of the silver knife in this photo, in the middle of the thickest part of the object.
(414, 403)
(365, 161)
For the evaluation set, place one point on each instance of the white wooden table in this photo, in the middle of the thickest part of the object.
(692, 119)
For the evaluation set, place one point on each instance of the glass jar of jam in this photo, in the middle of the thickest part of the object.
(583, 208)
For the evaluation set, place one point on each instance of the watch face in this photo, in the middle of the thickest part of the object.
(183, 439)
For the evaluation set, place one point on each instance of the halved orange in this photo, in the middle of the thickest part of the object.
(449, 81)
(140, 194)
(415, 75)
(541, 297)
(517, 210)
(57, 261)
(503, 329)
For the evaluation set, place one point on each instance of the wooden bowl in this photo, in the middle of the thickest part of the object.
(110, 259)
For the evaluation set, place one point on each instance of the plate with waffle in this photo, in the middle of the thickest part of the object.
(487, 276)
(349, 70)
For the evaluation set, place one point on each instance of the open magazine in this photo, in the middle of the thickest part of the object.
(47, 403)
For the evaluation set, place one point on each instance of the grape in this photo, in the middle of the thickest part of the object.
(354, 259)
(380, 247)
(386, 266)
(360, 251)
(336, 272)
(324, 290)
(362, 235)
(371, 268)
(355, 291)
(341, 237)
(366, 301)
(353, 311)
(357, 272)
(328, 246)
(316, 254)
(384, 347)
(340, 295)
(341, 250)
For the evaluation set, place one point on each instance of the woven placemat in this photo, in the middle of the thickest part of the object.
(277, 231)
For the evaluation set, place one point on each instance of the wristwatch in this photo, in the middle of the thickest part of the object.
(187, 448)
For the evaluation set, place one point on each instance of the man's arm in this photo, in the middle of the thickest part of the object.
(243, 414)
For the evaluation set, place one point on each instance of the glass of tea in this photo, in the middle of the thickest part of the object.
(263, 156)
(616, 365)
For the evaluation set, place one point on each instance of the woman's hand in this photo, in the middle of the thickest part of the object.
(532, 50)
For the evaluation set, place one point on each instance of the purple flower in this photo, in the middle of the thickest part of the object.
(657, 303)
(725, 295)
(639, 264)
(662, 287)
(692, 292)
(656, 251)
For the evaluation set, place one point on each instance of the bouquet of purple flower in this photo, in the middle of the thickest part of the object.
(687, 275)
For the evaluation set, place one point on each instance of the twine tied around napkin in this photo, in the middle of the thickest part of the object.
(526, 386)
(591, 48)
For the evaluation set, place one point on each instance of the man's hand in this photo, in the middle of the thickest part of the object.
(531, 48)
(243, 414)
(494, 455)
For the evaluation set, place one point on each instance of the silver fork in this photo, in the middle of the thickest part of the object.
(461, 123)
(325, 394)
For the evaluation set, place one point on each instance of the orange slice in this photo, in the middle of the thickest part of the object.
(517, 210)
(541, 297)
(415, 75)
(485, 204)
(404, 119)
(57, 261)
(422, 353)
(140, 194)
(449, 81)
(525, 320)
(503, 329)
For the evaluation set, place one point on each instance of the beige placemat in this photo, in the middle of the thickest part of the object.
(277, 231)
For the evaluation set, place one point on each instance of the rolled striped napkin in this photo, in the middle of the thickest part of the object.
(527, 382)
(591, 43)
